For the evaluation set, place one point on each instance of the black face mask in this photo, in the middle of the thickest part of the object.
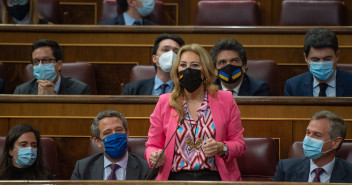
(190, 79)
(230, 73)
(18, 11)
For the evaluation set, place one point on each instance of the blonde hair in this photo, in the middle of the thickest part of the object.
(33, 12)
(208, 71)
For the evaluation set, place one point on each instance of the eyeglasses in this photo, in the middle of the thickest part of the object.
(43, 60)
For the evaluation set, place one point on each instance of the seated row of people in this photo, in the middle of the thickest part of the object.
(199, 161)
(228, 58)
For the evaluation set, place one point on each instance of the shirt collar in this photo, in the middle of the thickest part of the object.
(236, 89)
(25, 20)
(122, 163)
(328, 167)
(57, 85)
(158, 83)
(130, 20)
(331, 82)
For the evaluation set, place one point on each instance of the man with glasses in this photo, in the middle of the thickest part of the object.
(47, 64)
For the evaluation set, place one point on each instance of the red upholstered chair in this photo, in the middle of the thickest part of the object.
(228, 13)
(259, 160)
(346, 67)
(49, 154)
(265, 70)
(141, 72)
(110, 10)
(345, 152)
(81, 71)
(50, 10)
(136, 145)
(312, 13)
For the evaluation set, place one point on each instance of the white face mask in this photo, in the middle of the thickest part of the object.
(166, 60)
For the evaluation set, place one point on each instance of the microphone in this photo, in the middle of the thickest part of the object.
(153, 169)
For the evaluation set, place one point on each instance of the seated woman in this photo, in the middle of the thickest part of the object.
(22, 156)
(201, 124)
(21, 12)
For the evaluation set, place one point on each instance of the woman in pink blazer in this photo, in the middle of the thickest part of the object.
(202, 123)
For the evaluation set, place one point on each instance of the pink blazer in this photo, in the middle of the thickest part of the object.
(227, 120)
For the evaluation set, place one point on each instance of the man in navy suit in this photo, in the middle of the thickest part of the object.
(323, 79)
(164, 52)
(324, 136)
(110, 133)
(134, 12)
(229, 59)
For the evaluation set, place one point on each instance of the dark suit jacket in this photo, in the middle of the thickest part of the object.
(92, 168)
(302, 85)
(2, 86)
(119, 20)
(297, 170)
(250, 87)
(67, 86)
(141, 87)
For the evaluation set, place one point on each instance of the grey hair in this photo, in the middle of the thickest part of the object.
(337, 126)
(106, 114)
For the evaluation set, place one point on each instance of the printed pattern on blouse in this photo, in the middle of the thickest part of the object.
(190, 137)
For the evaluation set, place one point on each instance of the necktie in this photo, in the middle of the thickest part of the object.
(112, 175)
(323, 87)
(318, 172)
(163, 88)
(137, 23)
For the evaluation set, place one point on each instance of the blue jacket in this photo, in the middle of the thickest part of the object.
(302, 85)
(297, 170)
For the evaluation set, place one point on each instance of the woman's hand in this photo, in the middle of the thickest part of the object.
(155, 156)
(211, 147)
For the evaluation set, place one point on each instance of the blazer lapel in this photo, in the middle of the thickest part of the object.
(308, 85)
(338, 173)
(132, 171)
(97, 171)
(216, 110)
(302, 171)
(244, 87)
(340, 86)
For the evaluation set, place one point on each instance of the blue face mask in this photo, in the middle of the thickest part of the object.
(115, 145)
(147, 8)
(322, 70)
(312, 147)
(26, 156)
(45, 72)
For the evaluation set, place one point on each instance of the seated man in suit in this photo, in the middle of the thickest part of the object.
(229, 59)
(134, 12)
(321, 55)
(164, 53)
(324, 136)
(47, 63)
(110, 133)
(2, 86)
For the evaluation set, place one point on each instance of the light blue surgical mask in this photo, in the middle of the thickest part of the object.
(26, 156)
(322, 70)
(45, 72)
(147, 8)
(312, 147)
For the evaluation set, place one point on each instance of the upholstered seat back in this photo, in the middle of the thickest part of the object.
(50, 10)
(141, 72)
(265, 70)
(259, 160)
(49, 152)
(346, 67)
(110, 10)
(312, 13)
(228, 13)
(345, 152)
(81, 71)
